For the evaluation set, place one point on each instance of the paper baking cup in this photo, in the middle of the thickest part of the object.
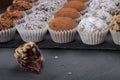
(7, 35)
(93, 38)
(115, 37)
(32, 35)
(62, 36)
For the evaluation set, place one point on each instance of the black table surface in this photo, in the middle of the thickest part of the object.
(84, 65)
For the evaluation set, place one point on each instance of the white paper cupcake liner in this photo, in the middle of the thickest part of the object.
(115, 37)
(93, 38)
(7, 35)
(63, 37)
(32, 35)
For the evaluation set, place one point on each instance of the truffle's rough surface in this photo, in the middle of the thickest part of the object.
(21, 6)
(117, 11)
(6, 24)
(62, 24)
(100, 14)
(29, 56)
(79, 0)
(30, 1)
(13, 15)
(78, 5)
(39, 16)
(32, 25)
(46, 6)
(115, 24)
(101, 4)
(68, 12)
(92, 24)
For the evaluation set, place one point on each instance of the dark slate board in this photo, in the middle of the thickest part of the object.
(84, 65)
(76, 44)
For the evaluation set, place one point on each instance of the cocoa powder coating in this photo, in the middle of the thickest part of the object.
(68, 12)
(62, 24)
(78, 5)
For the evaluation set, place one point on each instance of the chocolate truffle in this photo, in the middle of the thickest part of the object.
(107, 17)
(78, 5)
(39, 16)
(101, 4)
(29, 56)
(47, 7)
(68, 12)
(6, 24)
(30, 1)
(20, 6)
(115, 24)
(62, 24)
(13, 15)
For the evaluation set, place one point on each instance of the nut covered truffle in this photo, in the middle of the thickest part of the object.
(21, 6)
(62, 24)
(29, 56)
(78, 5)
(30, 1)
(68, 12)
(115, 24)
(13, 15)
(6, 24)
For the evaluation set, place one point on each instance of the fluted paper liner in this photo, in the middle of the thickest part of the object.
(62, 36)
(32, 35)
(7, 35)
(115, 37)
(93, 38)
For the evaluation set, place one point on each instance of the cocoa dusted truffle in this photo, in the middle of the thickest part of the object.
(29, 56)
(68, 12)
(62, 24)
(20, 6)
(78, 5)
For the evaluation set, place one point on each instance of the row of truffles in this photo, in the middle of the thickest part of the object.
(62, 18)
(94, 24)
(27, 12)
(29, 57)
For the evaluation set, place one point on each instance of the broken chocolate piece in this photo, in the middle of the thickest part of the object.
(29, 56)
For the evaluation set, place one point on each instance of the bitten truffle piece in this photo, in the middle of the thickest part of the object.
(30, 1)
(13, 15)
(78, 5)
(29, 56)
(68, 12)
(21, 6)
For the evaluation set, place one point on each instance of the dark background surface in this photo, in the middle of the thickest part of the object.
(84, 65)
